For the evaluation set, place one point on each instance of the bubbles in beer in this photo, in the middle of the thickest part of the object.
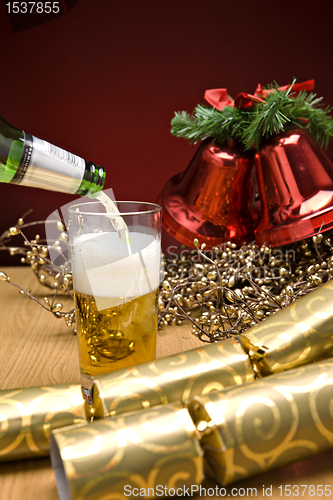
(116, 276)
(116, 337)
(116, 300)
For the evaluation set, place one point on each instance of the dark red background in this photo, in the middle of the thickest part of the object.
(104, 79)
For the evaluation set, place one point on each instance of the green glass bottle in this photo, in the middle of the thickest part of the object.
(29, 161)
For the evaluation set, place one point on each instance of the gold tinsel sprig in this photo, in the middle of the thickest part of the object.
(222, 292)
(35, 252)
(225, 291)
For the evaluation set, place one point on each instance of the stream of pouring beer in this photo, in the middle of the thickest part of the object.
(118, 222)
(121, 227)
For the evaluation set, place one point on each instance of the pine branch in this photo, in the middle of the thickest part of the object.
(267, 119)
(281, 111)
(209, 122)
(219, 124)
(320, 123)
(184, 125)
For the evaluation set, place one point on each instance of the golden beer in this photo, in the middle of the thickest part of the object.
(117, 337)
(116, 267)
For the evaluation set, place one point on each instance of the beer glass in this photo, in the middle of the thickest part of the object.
(116, 281)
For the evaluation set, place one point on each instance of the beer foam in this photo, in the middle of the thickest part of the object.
(105, 268)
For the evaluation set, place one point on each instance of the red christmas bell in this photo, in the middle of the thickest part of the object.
(214, 200)
(296, 189)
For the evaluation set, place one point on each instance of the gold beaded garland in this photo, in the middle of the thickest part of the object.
(13, 231)
(36, 254)
(227, 290)
(222, 291)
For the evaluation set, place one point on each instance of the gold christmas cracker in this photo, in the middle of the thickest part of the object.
(300, 334)
(28, 415)
(266, 424)
(148, 451)
(174, 378)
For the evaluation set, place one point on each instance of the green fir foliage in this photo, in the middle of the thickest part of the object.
(282, 110)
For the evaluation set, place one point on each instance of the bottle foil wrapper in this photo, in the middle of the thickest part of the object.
(153, 450)
(174, 378)
(27, 417)
(266, 424)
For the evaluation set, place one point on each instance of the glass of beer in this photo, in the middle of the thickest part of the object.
(116, 265)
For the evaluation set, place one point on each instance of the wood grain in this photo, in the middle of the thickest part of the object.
(38, 349)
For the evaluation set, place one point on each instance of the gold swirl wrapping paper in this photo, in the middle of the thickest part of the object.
(268, 423)
(300, 334)
(153, 450)
(28, 415)
(174, 378)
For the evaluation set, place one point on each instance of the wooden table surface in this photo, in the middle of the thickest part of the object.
(38, 349)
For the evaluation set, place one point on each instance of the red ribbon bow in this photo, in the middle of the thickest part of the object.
(219, 98)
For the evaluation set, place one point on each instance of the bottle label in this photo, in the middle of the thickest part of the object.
(46, 166)
(24, 160)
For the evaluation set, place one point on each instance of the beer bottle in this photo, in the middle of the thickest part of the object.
(29, 161)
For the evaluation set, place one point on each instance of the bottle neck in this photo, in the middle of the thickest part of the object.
(93, 180)
(11, 150)
(29, 161)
